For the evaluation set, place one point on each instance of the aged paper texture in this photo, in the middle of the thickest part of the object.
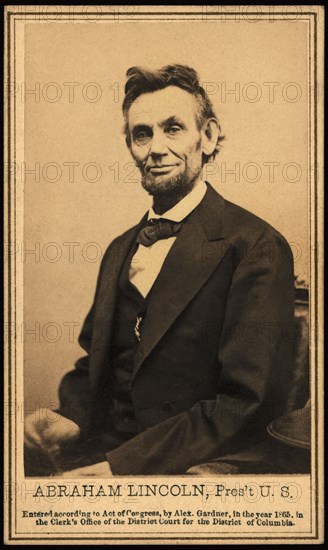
(163, 172)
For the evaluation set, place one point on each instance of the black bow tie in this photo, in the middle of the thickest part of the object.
(157, 229)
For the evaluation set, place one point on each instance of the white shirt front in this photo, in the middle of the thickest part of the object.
(148, 260)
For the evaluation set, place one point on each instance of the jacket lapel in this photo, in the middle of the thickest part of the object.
(106, 298)
(197, 251)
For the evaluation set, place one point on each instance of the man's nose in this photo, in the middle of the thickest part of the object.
(158, 144)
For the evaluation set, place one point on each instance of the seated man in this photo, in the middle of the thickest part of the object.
(188, 338)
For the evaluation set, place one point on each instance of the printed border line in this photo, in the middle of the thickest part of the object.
(264, 537)
(171, 538)
(176, 14)
(9, 278)
(309, 224)
(316, 290)
(15, 262)
(85, 14)
(15, 259)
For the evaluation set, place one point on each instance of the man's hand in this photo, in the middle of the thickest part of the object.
(101, 469)
(48, 430)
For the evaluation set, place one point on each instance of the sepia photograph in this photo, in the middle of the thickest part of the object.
(163, 266)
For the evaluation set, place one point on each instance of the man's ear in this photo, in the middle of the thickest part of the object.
(210, 133)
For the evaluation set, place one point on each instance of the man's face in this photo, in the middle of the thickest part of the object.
(165, 140)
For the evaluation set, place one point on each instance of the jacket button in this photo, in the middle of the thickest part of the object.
(167, 406)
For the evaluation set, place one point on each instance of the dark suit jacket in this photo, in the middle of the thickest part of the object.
(214, 360)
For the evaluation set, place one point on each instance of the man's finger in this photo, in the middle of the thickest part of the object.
(32, 439)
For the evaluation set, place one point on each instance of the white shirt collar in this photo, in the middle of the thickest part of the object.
(184, 207)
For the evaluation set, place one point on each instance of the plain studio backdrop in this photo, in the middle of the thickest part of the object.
(85, 190)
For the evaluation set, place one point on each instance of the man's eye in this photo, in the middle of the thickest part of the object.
(173, 130)
(142, 135)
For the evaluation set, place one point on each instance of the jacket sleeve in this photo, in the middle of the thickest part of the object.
(254, 353)
(74, 389)
(75, 394)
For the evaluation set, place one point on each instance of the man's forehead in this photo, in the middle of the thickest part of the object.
(161, 105)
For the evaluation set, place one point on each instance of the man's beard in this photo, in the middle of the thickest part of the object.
(179, 185)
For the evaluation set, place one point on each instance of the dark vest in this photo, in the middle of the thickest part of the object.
(130, 306)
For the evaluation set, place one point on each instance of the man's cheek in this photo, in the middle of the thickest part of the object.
(179, 152)
(140, 156)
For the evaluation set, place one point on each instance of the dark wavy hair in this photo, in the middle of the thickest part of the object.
(142, 81)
